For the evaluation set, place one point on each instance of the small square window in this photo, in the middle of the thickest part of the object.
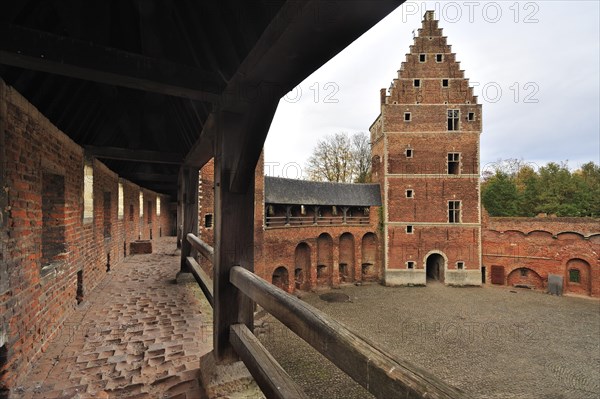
(439, 57)
(417, 82)
(422, 57)
(407, 117)
(410, 194)
(409, 153)
(410, 264)
(460, 265)
(471, 116)
(409, 229)
(574, 276)
(444, 82)
(208, 220)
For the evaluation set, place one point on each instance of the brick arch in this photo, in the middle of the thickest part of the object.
(584, 287)
(526, 277)
(281, 278)
(324, 259)
(429, 266)
(369, 256)
(347, 258)
(302, 256)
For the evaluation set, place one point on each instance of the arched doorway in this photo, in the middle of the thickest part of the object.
(577, 279)
(280, 278)
(302, 266)
(526, 278)
(346, 258)
(324, 259)
(435, 266)
(369, 257)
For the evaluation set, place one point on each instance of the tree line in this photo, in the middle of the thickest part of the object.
(514, 188)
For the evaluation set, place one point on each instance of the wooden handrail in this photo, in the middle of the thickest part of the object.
(378, 372)
(272, 379)
(205, 250)
(203, 280)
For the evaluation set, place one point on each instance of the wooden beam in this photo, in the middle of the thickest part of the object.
(124, 154)
(373, 368)
(151, 177)
(180, 207)
(190, 213)
(203, 280)
(41, 51)
(272, 379)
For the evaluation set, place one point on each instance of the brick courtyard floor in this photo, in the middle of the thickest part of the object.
(492, 342)
(137, 335)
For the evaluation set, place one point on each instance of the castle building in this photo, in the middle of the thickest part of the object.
(425, 148)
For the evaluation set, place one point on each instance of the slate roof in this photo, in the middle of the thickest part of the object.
(291, 191)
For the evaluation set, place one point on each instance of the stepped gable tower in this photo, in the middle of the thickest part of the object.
(425, 147)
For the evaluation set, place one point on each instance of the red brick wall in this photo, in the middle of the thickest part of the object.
(542, 246)
(35, 300)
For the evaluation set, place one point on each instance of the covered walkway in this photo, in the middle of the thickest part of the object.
(137, 335)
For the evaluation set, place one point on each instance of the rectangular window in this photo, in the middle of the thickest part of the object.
(157, 206)
(407, 117)
(422, 57)
(53, 217)
(453, 116)
(574, 276)
(460, 265)
(107, 214)
(453, 211)
(417, 82)
(88, 193)
(121, 205)
(471, 116)
(410, 264)
(439, 57)
(444, 82)
(208, 220)
(453, 163)
(409, 229)
(409, 153)
(141, 205)
(409, 193)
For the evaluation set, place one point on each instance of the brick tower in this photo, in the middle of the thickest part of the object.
(425, 146)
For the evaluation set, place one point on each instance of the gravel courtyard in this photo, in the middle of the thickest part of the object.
(492, 342)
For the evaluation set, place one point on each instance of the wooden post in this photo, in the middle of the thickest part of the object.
(180, 189)
(190, 213)
(234, 235)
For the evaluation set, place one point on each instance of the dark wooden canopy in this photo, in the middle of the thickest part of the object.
(145, 85)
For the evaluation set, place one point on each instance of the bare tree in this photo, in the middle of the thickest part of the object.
(341, 158)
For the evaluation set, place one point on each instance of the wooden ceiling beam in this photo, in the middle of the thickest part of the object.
(41, 51)
(124, 154)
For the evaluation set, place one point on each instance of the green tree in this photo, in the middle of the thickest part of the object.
(499, 195)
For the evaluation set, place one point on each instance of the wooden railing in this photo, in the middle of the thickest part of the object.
(378, 372)
(281, 221)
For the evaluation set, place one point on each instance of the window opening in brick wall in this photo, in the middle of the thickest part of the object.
(121, 203)
(574, 276)
(453, 115)
(422, 57)
(88, 193)
(454, 211)
(149, 212)
(53, 218)
(409, 229)
(444, 82)
(439, 57)
(409, 193)
(141, 205)
(409, 153)
(460, 265)
(417, 82)
(208, 220)
(471, 116)
(410, 264)
(453, 163)
(107, 215)
(157, 206)
(407, 117)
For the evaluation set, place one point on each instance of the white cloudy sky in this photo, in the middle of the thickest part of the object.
(548, 49)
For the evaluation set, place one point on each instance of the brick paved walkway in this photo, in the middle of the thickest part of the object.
(137, 335)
